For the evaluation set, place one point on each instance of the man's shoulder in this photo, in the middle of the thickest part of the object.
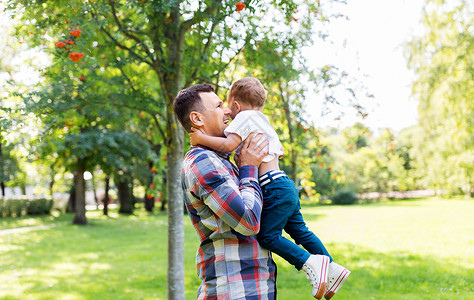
(201, 157)
(199, 153)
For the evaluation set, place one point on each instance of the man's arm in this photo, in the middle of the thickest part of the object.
(239, 206)
(223, 144)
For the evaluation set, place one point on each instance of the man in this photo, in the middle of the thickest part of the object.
(224, 203)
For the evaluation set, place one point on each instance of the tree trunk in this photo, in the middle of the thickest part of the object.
(2, 184)
(80, 205)
(95, 193)
(175, 218)
(125, 196)
(292, 154)
(71, 204)
(106, 196)
(164, 196)
(51, 184)
(174, 157)
(149, 203)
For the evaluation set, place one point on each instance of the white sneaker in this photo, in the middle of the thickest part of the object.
(337, 275)
(316, 270)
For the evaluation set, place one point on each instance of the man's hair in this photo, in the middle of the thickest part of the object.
(248, 90)
(187, 101)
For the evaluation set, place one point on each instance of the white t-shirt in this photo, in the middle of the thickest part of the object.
(249, 121)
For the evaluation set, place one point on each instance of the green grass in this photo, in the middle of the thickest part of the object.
(417, 249)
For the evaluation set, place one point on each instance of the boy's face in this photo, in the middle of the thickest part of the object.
(234, 108)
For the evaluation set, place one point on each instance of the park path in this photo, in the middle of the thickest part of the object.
(24, 229)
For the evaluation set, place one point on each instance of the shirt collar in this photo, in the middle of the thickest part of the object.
(221, 154)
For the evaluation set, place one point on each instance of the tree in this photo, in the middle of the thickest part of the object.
(443, 61)
(164, 46)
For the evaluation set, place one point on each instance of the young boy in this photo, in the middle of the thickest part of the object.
(281, 206)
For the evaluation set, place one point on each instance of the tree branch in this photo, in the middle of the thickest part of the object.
(199, 16)
(128, 33)
(159, 126)
(109, 35)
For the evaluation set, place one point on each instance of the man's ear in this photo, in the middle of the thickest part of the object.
(196, 119)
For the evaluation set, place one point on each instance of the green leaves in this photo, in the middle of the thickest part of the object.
(443, 61)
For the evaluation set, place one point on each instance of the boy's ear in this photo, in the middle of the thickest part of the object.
(196, 119)
(237, 104)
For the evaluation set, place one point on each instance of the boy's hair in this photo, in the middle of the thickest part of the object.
(248, 90)
(187, 101)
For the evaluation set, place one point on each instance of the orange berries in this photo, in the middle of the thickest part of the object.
(142, 115)
(76, 33)
(239, 6)
(153, 170)
(69, 42)
(149, 197)
(59, 44)
(350, 147)
(82, 78)
(76, 56)
(152, 186)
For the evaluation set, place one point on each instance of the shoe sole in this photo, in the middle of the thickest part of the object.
(337, 284)
(323, 276)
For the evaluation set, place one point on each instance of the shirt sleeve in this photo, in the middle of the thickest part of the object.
(239, 206)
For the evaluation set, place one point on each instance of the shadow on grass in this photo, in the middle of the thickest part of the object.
(394, 275)
(111, 258)
(126, 258)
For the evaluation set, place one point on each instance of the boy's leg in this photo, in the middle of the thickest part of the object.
(275, 213)
(297, 229)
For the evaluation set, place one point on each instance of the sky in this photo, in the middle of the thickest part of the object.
(373, 35)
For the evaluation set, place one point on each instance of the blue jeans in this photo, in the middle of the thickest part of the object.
(281, 210)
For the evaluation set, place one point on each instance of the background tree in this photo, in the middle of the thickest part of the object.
(443, 61)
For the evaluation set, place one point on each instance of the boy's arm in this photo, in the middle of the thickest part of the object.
(223, 144)
(239, 205)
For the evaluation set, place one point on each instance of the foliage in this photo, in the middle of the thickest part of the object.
(19, 207)
(344, 197)
(442, 58)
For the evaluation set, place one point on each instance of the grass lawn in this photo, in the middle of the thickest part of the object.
(417, 249)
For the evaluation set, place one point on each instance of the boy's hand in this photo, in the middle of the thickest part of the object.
(195, 136)
(251, 154)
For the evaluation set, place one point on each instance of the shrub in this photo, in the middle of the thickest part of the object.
(344, 197)
(17, 207)
(12, 207)
(39, 206)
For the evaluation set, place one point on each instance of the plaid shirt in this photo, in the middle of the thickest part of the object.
(225, 204)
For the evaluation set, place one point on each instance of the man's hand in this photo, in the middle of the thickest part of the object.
(237, 159)
(251, 155)
(195, 136)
